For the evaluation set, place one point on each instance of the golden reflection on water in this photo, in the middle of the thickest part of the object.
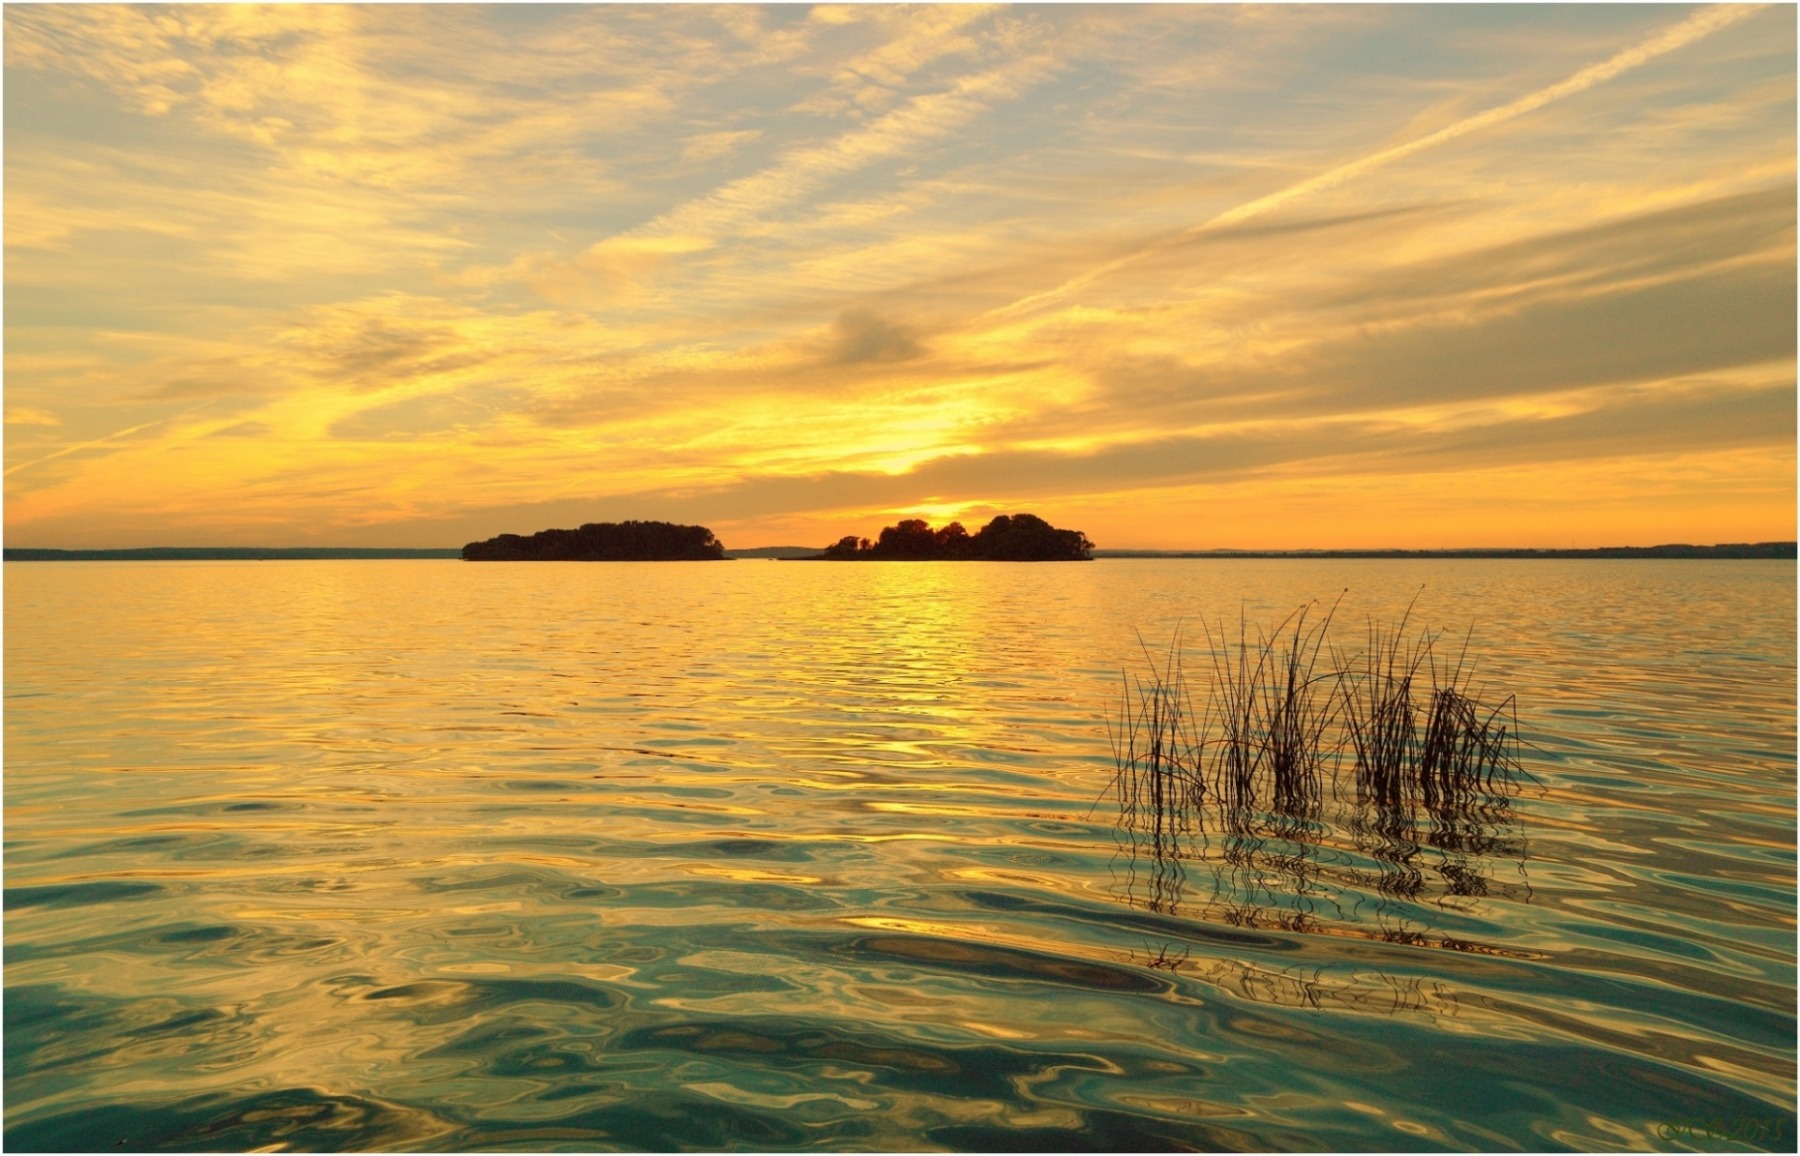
(433, 855)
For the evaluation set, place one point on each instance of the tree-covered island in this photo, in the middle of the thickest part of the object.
(603, 542)
(1008, 538)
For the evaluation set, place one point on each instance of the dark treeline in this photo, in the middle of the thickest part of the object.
(1008, 538)
(602, 542)
(952, 537)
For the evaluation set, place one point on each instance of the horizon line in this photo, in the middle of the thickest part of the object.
(1097, 550)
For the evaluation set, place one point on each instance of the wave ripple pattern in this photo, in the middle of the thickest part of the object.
(422, 855)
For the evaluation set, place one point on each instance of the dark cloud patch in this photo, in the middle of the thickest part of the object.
(377, 347)
(862, 335)
(378, 355)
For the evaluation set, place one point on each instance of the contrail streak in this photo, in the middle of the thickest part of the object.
(1698, 26)
(11, 470)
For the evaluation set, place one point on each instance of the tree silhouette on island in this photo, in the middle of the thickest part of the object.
(1008, 538)
(603, 542)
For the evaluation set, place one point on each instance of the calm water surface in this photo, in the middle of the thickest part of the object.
(784, 856)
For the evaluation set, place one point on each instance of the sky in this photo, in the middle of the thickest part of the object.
(1178, 276)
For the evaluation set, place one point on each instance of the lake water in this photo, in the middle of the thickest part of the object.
(788, 856)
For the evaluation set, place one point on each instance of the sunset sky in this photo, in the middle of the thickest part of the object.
(1177, 276)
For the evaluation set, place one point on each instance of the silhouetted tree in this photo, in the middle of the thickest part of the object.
(953, 541)
(912, 538)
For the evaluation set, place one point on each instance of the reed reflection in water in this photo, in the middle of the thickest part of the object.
(420, 855)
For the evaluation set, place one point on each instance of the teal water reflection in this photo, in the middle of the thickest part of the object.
(779, 856)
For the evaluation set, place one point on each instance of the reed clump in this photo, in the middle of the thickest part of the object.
(1273, 707)
(1396, 731)
(1421, 738)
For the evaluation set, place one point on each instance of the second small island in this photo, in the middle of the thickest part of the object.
(1008, 538)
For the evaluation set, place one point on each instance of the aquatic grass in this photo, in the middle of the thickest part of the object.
(1158, 787)
(1285, 714)
(1464, 755)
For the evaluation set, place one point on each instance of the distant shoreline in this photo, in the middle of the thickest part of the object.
(1740, 550)
(1727, 550)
